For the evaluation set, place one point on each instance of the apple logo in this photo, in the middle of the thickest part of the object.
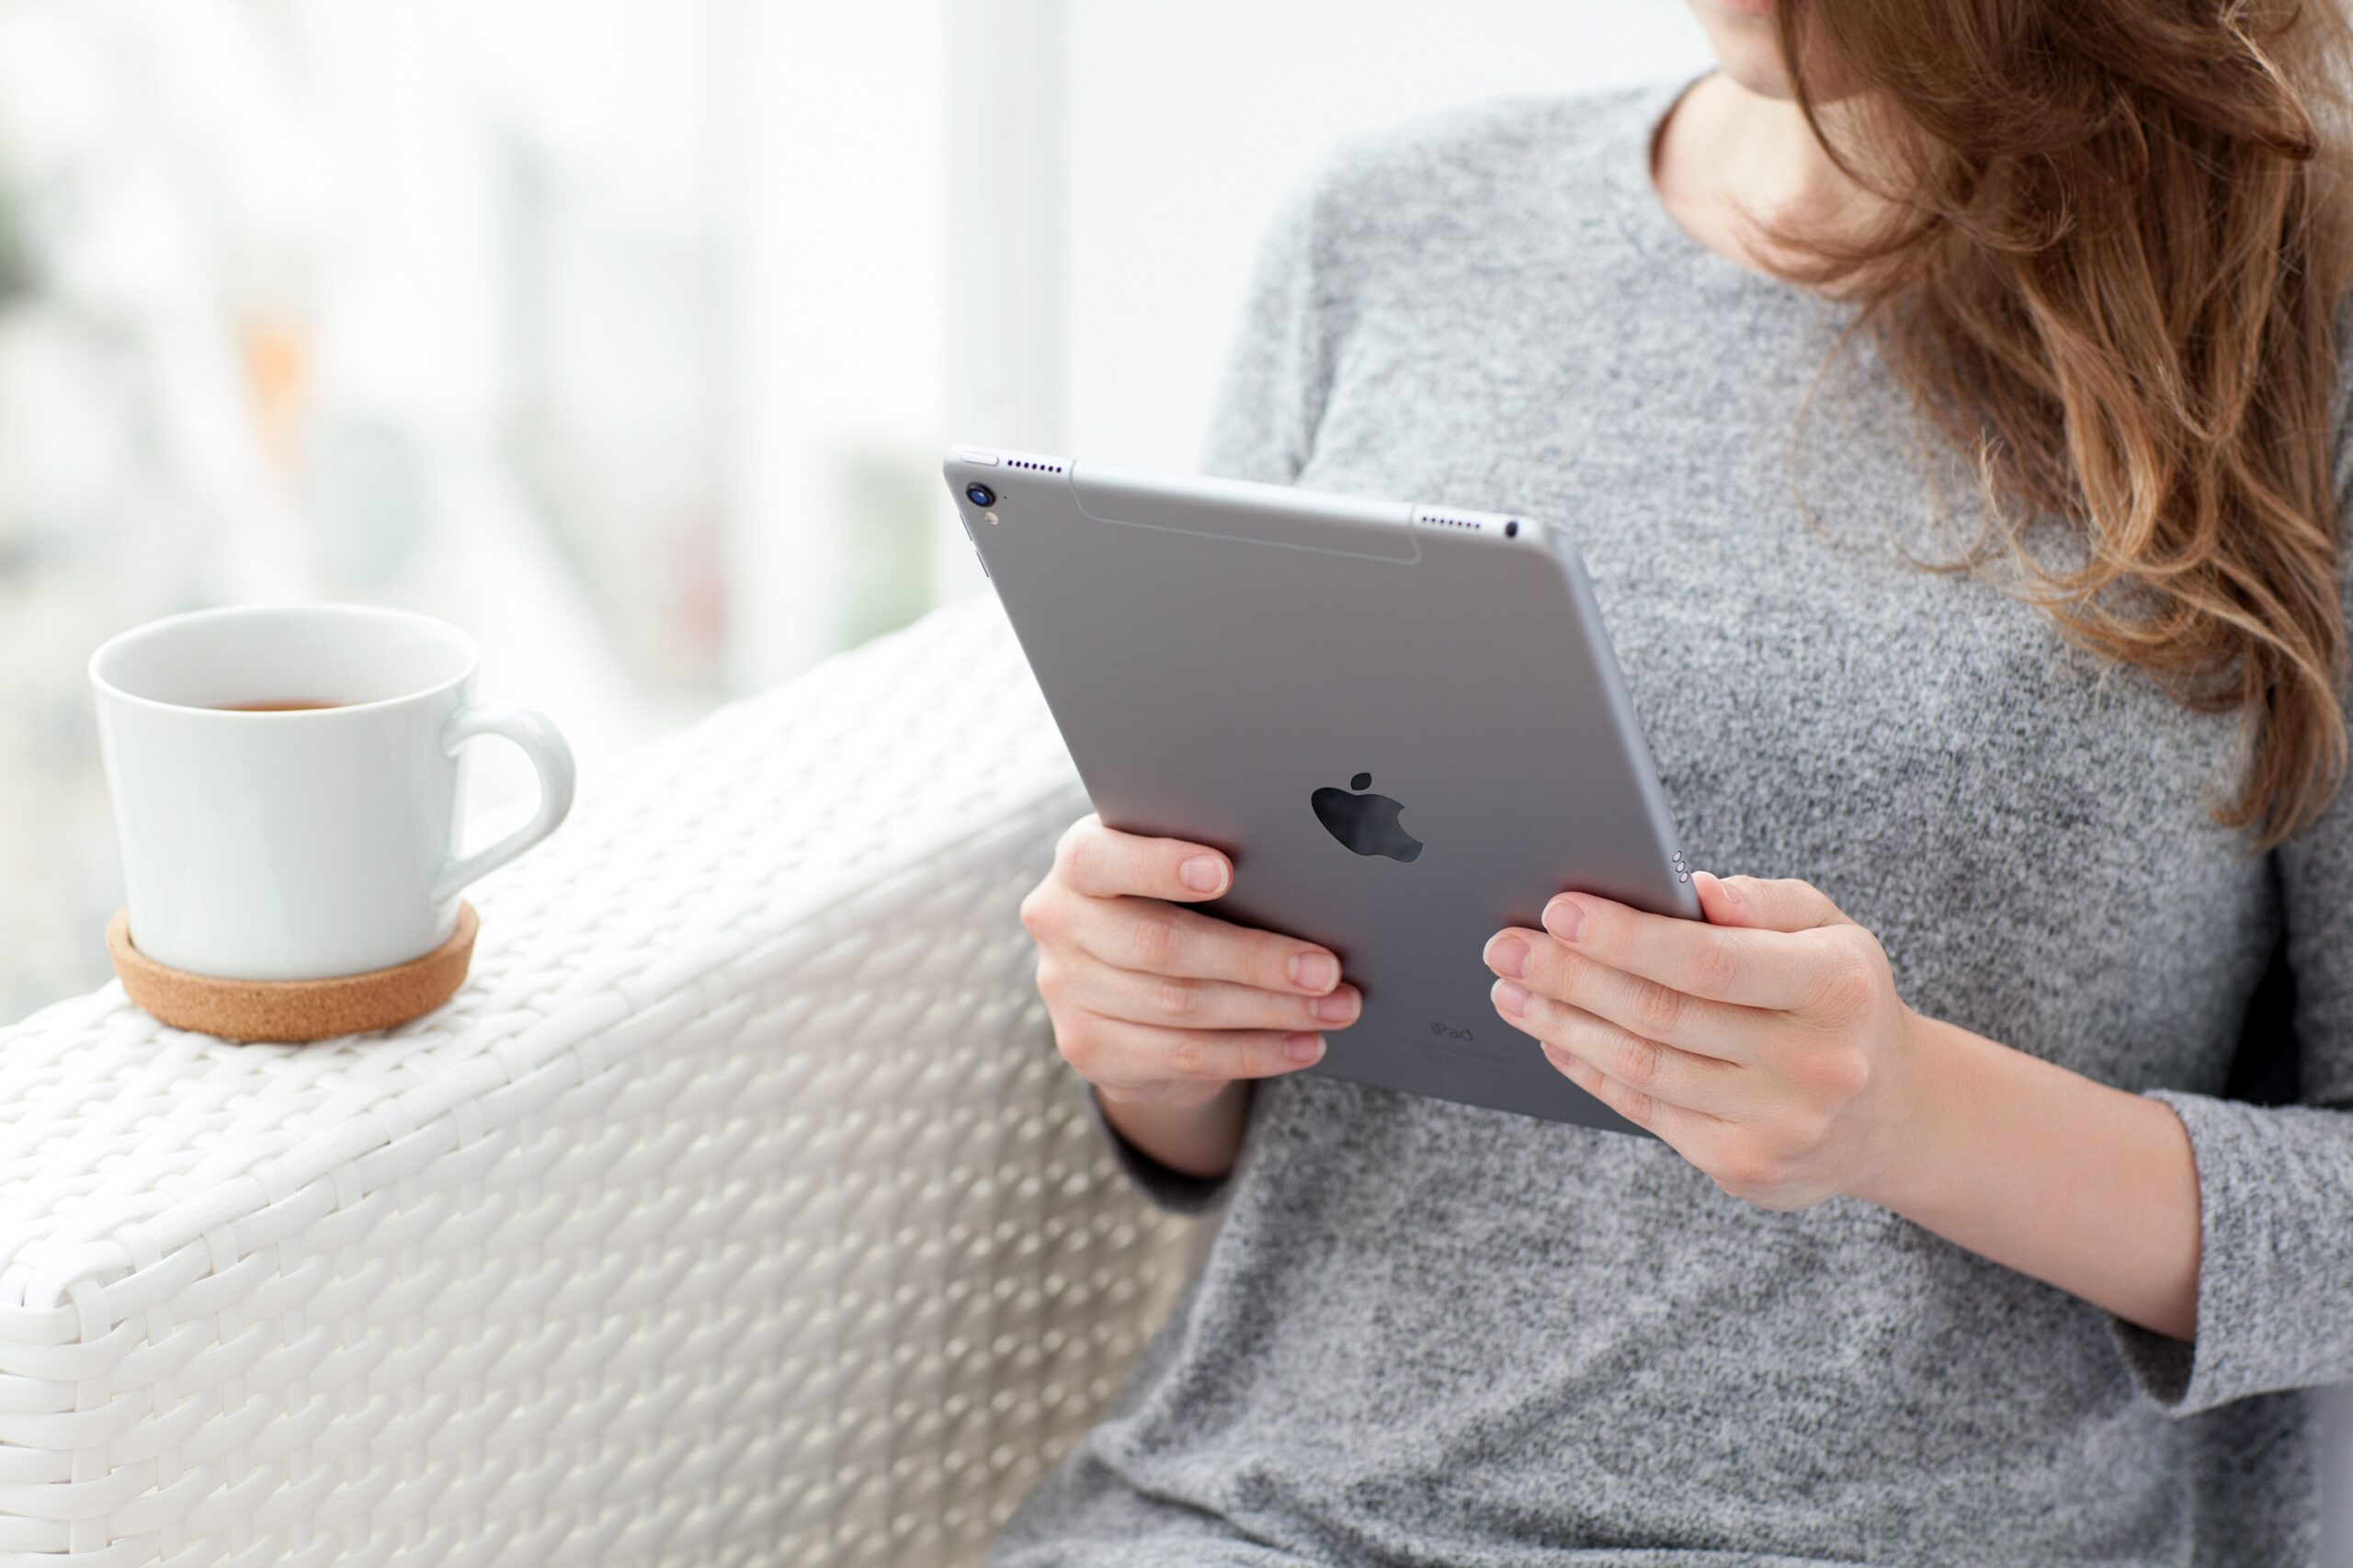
(1365, 823)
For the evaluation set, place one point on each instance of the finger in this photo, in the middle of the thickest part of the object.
(1634, 1003)
(1160, 938)
(1169, 1001)
(1701, 1083)
(1129, 1057)
(1683, 1131)
(1780, 905)
(1102, 862)
(1747, 967)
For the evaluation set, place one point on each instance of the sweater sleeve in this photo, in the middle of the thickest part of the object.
(1278, 367)
(2275, 1184)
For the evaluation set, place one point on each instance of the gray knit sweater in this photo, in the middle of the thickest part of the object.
(1433, 1334)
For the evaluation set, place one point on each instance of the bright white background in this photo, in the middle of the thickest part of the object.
(1187, 122)
(625, 332)
(1082, 252)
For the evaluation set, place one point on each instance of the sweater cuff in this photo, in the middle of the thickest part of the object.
(1163, 1188)
(2275, 1193)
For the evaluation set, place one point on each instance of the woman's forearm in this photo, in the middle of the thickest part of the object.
(1199, 1141)
(1770, 1046)
(2083, 1187)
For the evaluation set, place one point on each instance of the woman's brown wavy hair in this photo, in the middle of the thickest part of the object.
(2117, 236)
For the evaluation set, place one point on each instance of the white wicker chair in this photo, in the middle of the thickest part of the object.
(737, 1211)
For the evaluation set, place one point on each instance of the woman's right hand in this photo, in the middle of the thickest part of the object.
(1161, 1006)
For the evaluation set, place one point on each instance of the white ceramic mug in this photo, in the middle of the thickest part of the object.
(319, 838)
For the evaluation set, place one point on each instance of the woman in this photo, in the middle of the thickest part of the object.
(1948, 1250)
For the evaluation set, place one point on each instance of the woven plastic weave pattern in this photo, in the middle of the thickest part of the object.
(737, 1211)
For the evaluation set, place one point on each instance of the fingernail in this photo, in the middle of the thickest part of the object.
(1511, 996)
(1302, 1048)
(1202, 873)
(1507, 955)
(1564, 919)
(1334, 1007)
(1313, 972)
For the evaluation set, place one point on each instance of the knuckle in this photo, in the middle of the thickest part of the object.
(1657, 1010)
(1177, 998)
(1569, 978)
(1815, 1131)
(1080, 1046)
(1848, 944)
(1188, 1057)
(1747, 1167)
(1847, 982)
(1051, 978)
(1804, 1128)
(1635, 1106)
(1640, 1062)
(1158, 941)
(1856, 989)
(1844, 1076)
(1071, 847)
(1718, 967)
(1038, 911)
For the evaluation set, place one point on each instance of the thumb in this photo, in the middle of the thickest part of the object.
(1782, 904)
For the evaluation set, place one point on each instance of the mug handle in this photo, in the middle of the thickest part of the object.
(550, 758)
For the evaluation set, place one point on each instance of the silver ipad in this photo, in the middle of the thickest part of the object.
(1403, 722)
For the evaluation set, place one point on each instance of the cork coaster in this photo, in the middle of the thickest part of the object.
(291, 1010)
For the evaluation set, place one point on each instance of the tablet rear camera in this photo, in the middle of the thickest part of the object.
(980, 495)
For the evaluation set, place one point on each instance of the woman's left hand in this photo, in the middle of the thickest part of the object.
(1767, 1047)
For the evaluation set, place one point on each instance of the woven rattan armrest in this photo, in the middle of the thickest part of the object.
(736, 1210)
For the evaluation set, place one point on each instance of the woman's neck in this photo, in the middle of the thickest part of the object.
(1735, 169)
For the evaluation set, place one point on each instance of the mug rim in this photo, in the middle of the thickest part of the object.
(469, 650)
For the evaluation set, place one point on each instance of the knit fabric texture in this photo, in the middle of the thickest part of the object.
(1433, 1334)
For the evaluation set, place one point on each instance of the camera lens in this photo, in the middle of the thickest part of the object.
(980, 495)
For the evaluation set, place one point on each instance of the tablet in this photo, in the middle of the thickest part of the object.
(1403, 722)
